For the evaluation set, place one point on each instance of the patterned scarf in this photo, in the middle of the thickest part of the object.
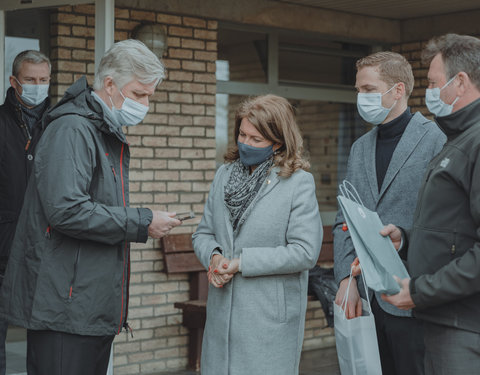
(242, 188)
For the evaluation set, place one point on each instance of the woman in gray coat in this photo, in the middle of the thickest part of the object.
(260, 234)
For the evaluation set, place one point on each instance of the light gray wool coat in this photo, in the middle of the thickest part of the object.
(255, 323)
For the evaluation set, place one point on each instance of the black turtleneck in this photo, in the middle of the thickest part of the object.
(388, 136)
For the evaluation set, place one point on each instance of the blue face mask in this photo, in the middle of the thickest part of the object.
(436, 105)
(250, 155)
(370, 107)
(33, 95)
(131, 113)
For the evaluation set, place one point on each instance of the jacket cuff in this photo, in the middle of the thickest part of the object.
(145, 219)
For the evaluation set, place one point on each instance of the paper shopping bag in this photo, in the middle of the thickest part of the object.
(378, 258)
(356, 341)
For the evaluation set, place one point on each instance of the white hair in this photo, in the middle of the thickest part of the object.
(127, 60)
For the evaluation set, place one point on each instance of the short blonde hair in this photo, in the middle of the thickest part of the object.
(392, 67)
(274, 118)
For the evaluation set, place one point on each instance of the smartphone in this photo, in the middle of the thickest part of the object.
(185, 216)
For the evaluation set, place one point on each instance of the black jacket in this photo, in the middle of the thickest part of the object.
(444, 244)
(17, 145)
(69, 264)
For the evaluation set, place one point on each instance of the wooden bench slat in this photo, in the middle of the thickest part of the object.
(182, 262)
(177, 243)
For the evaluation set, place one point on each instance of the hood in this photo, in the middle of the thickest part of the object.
(461, 120)
(78, 100)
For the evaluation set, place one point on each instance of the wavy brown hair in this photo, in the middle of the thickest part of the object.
(274, 118)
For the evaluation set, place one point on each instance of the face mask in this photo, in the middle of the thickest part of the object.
(250, 155)
(370, 107)
(132, 113)
(33, 95)
(436, 105)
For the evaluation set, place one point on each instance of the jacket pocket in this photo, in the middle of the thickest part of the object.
(281, 303)
(74, 276)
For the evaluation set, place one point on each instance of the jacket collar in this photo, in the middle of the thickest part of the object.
(78, 100)
(459, 121)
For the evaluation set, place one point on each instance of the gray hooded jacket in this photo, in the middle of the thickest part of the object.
(69, 264)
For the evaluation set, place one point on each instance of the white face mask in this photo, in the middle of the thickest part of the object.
(33, 95)
(370, 107)
(132, 112)
(436, 105)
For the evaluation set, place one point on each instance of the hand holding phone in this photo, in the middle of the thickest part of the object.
(182, 216)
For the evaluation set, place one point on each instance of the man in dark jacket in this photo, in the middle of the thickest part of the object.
(68, 274)
(443, 250)
(20, 129)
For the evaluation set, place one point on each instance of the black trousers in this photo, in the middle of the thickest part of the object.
(3, 337)
(400, 342)
(59, 353)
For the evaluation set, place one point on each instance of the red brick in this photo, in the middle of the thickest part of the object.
(211, 46)
(179, 142)
(169, 19)
(63, 41)
(205, 56)
(180, 76)
(173, 41)
(71, 19)
(83, 31)
(205, 34)
(193, 87)
(71, 66)
(84, 8)
(204, 77)
(165, 130)
(142, 15)
(179, 120)
(172, 64)
(180, 53)
(122, 13)
(193, 109)
(204, 99)
(180, 97)
(197, 66)
(83, 55)
(212, 25)
(167, 153)
(180, 31)
(195, 131)
(167, 107)
(194, 22)
(194, 44)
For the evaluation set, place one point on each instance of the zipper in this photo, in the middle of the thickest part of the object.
(75, 268)
(453, 249)
(48, 232)
(125, 324)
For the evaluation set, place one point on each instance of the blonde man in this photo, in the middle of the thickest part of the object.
(386, 166)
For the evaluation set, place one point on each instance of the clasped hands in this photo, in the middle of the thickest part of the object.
(222, 270)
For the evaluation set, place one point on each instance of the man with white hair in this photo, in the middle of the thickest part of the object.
(20, 129)
(68, 275)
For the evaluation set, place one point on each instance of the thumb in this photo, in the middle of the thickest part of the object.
(171, 214)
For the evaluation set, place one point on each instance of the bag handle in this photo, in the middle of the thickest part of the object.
(345, 299)
(347, 190)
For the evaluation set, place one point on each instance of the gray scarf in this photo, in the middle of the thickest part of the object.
(242, 188)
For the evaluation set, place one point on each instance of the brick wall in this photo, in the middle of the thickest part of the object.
(172, 165)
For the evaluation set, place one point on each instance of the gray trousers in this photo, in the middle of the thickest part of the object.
(451, 351)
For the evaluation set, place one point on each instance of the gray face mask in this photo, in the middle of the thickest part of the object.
(250, 155)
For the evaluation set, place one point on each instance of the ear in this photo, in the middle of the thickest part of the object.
(277, 146)
(463, 85)
(15, 85)
(399, 90)
(108, 85)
